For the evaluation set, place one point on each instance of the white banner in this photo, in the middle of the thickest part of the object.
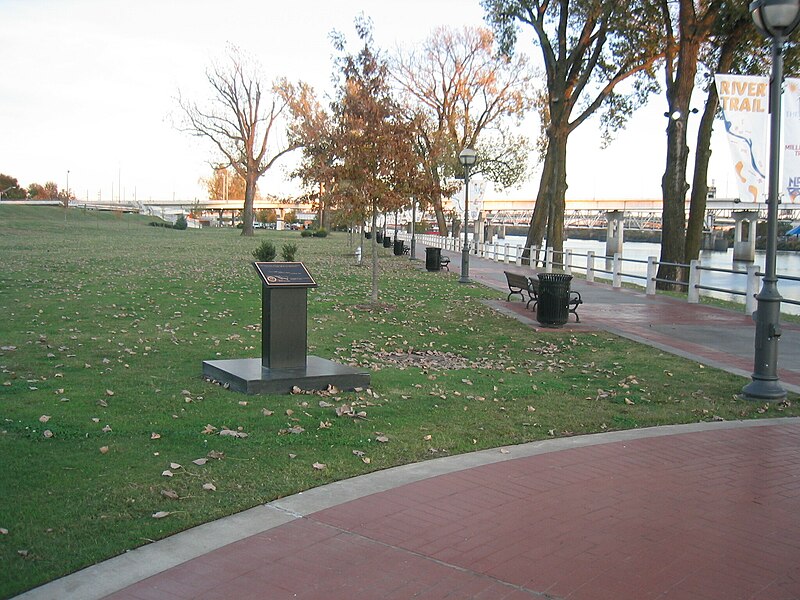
(791, 142)
(745, 102)
(477, 190)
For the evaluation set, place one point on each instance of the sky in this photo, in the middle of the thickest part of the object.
(88, 92)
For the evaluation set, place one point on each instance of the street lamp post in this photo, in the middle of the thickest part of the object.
(776, 19)
(468, 157)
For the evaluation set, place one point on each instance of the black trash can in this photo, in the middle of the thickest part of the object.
(552, 309)
(398, 247)
(387, 241)
(433, 259)
(379, 236)
(368, 235)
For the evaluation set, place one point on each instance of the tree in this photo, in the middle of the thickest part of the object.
(224, 184)
(242, 122)
(466, 95)
(588, 48)
(37, 192)
(375, 167)
(687, 27)
(9, 186)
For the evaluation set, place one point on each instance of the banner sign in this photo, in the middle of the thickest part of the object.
(791, 142)
(745, 102)
(477, 190)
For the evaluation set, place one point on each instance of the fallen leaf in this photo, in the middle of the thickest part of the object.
(106, 429)
(209, 487)
(103, 449)
(3, 531)
(231, 433)
(155, 436)
(366, 460)
(319, 466)
(323, 404)
(23, 553)
(208, 429)
(161, 514)
(47, 433)
(296, 390)
(200, 461)
(109, 393)
(531, 409)
(427, 437)
(382, 439)
(629, 401)
(44, 418)
(359, 452)
(174, 466)
(325, 425)
(215, 454)
(243, 402)
(289, 412)
(292, 455)
(167, 473)
(171, 494)
(504, 451)
(266, 412)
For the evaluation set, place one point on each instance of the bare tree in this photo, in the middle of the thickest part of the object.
(467, 95)
(241, 120)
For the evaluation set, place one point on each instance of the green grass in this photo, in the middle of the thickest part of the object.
(106, 322)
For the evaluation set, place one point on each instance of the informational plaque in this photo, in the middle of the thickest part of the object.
(284, 274)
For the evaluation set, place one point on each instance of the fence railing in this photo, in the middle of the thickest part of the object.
(616, 267)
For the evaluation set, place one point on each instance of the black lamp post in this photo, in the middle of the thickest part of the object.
(776, 19)
(468, 157)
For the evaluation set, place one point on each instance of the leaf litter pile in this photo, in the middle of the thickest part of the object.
(112, 439)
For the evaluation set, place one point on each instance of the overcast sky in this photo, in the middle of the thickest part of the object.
(89, 87)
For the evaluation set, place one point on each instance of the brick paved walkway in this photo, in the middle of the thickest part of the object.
(702, 516)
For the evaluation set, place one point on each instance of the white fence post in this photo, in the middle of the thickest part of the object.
(548, 260)
(616, 277)
(518, 253)
(568, 262)
(590, 266)
(532, 257)
(694, 281)
(505, 254)
(652, 272)
(753, 285)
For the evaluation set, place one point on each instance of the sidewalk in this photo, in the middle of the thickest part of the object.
(713, 336)
(703, 511)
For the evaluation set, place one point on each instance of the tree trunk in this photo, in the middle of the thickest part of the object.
(697, 203)
(558, 186)
(374, 248)
(249, 197)
(673, 183)
(536, 229)
(697, 206)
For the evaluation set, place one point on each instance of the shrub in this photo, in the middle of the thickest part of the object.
(180, 223)
(306, 233)
(288, 251)
(321, 233)
(160, 224)
(265, 252)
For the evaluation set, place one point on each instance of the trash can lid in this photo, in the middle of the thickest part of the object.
(555, 277)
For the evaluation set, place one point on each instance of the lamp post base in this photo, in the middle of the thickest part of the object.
(464, 265)
(769, 390)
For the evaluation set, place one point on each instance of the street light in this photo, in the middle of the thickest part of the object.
(467, 158)
(776, 19)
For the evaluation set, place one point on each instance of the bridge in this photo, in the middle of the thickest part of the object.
(638, 214)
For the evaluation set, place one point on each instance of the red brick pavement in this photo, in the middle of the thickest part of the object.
(702, 516)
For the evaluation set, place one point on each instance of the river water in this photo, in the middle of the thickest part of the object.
(787, 264)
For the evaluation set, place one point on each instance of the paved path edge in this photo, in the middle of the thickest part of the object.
(117, 573)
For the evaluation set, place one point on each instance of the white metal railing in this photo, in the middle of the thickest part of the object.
(613, 266)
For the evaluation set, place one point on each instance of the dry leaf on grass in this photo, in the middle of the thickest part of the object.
(44, 418)
(200, 461)
(155, 436)
(161, 514)
(171, 494)
(319, 466)
(209, 487)
(103, 449)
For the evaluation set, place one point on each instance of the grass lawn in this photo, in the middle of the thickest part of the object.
(105, 420)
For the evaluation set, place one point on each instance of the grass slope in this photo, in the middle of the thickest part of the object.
(106, 322)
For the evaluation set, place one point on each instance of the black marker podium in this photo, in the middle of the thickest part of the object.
(284, 331)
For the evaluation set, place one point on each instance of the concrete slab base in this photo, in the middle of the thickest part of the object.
(248, 376)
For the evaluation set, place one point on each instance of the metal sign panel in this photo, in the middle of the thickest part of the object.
(284, 274)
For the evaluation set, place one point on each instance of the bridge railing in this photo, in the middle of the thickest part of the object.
(618, 268)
